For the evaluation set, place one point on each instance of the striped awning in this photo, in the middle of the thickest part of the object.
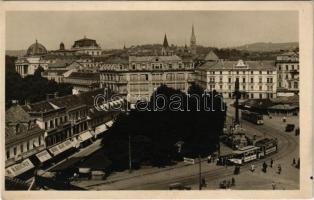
(100, 129)
(109, 123)
(18, 169)
(61, 147)
(85, 136)
(43, 156)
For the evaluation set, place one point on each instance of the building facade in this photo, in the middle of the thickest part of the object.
(288, 68)
(24, 137)
(87, 46)
(28, 64)
(143, 74)
(258, 79)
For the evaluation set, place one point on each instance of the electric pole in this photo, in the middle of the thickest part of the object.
(130, 158)
(237, 94)
(200, 172)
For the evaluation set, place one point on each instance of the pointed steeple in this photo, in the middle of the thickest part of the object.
(193, 41)
(165, 44)
(193, 37)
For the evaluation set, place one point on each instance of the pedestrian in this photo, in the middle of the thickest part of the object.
(298, 164)
(228, 184)
(271, 162)
(273, 184)
(203, 182)
(209, 159)
(293, 161)
(279, 169)
(264, 167)
(232, 181)
(252, 168)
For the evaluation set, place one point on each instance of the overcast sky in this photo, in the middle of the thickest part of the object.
(113, 29)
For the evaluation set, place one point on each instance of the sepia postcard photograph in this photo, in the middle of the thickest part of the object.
(157, 100)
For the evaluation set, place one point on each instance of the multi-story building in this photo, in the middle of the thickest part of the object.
(258, 79)
(24, 138)
(138, 76)
(87, 46)
(82, 81)
(287, 66)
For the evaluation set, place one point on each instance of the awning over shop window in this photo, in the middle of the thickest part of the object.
(100, 129)
(61, 147)
(18, 169)
(109, 124)
(85, 136)
(43, 156)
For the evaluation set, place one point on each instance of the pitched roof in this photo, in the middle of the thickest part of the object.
(211, 56)
(231, 65)
(16, 113)
(154, 58)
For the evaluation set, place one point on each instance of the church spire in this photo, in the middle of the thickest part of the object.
(193, 41)
(165, 44)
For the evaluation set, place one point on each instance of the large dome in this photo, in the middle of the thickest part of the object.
(36, 49)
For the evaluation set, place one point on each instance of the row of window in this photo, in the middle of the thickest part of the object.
(260, 80)
(244, 87)
(242, 72)
(286, 67)
(24, 147)
(55, 122)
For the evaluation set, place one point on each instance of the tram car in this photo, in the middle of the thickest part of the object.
(267, 146)
(245, 155)
(253, 117)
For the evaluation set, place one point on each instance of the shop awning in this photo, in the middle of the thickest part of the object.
(18, 169)
(43, 156)
(85, 136)
(109, 123)
(100, 129)
(61, 147)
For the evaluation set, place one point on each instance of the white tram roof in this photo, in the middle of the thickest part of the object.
(245, 149)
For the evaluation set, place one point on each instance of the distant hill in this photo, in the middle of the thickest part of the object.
(15, 53)
(263, 46)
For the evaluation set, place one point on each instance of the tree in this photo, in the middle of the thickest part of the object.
(154, 133)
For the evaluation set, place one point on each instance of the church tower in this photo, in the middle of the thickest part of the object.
(165, 47)
(193, 42)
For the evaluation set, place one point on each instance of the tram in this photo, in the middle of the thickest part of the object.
(267, 146)
(245, 154)
(253, 117)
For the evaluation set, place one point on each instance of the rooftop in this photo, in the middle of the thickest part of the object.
(232, 65)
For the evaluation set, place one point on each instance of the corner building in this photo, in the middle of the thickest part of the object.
(258, 79)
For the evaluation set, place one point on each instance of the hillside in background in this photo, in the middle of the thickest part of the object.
(263, 46)
(15, 53)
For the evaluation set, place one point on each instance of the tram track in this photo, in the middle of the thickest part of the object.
(286, 147)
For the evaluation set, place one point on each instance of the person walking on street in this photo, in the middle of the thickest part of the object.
(232, 181)
(264, 167)
(293, 161)
(209, 159)
(271, 162)
(279, 169)
(298, 164)
(252, 168)
(273, 184)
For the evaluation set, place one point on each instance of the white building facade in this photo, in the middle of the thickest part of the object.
(257, 79)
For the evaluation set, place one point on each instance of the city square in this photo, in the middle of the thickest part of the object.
(151, 110)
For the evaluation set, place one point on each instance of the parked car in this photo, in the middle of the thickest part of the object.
(290, 127)
(178, 186)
